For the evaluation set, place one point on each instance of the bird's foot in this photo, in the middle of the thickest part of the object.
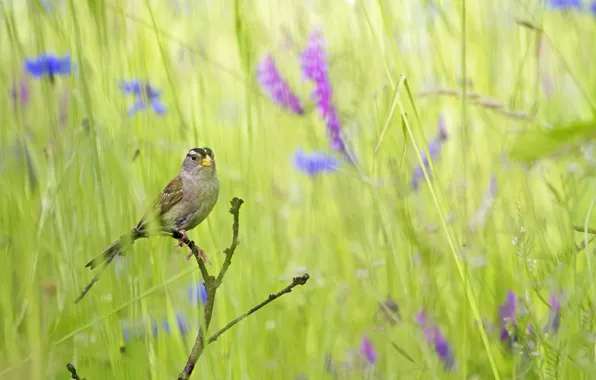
(202, 255)
(183, 239)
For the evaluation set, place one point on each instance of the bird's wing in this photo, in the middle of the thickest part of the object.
(169, 196)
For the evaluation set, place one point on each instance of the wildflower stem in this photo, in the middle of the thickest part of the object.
(403, 353)
(589, 230)
(486, 102)
(469, 291)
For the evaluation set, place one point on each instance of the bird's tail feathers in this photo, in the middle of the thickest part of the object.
(109, 253)
(106, 257)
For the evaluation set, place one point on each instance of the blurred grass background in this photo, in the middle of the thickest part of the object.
(70, 186)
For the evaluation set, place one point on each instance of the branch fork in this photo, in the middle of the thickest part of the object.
(212, 283)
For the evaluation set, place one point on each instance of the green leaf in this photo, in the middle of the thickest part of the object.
(536, 144)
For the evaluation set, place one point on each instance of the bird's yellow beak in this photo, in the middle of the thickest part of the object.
(207, 161)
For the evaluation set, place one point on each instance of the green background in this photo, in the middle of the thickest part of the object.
(361, 233)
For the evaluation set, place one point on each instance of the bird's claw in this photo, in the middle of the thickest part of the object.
(183, 239)
(202, 255)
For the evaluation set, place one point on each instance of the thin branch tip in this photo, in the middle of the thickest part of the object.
(301, 280)
(236, 203)
(73, 372)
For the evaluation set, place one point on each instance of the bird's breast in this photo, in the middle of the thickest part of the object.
(201, 201)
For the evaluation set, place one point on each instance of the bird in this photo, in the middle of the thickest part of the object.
(183, 204)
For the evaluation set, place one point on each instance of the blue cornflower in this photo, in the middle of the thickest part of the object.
(49, 65)
(136, 330)
(314, 162)
(181, 324)
(198, 291)
(126, 334)
(565, 4)
(144, 93)
(180, 321)
(131, 330)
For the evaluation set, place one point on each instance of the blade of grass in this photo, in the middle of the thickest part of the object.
(105, 316)
(462, 273)
(392, 108)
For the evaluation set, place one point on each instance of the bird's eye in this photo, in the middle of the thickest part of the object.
(194, 158)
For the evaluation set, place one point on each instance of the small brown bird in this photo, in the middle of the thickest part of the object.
(184, 203)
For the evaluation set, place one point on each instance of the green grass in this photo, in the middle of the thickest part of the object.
(362, 235)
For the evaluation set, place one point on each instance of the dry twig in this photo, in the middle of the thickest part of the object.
(73, 372)
(212, 283)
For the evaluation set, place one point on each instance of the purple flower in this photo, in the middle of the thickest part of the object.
(20, 94)
(554, 315)
(314, 163)
(434, 148)
(593, 8)
(507, 313)
(276, 87)
(49, 65)
(367, 350)
(565, 4)
(433, 336)
(198, 293)
(313, 62)
(143, 93)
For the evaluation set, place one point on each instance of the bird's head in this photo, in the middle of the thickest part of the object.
(199, 161)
